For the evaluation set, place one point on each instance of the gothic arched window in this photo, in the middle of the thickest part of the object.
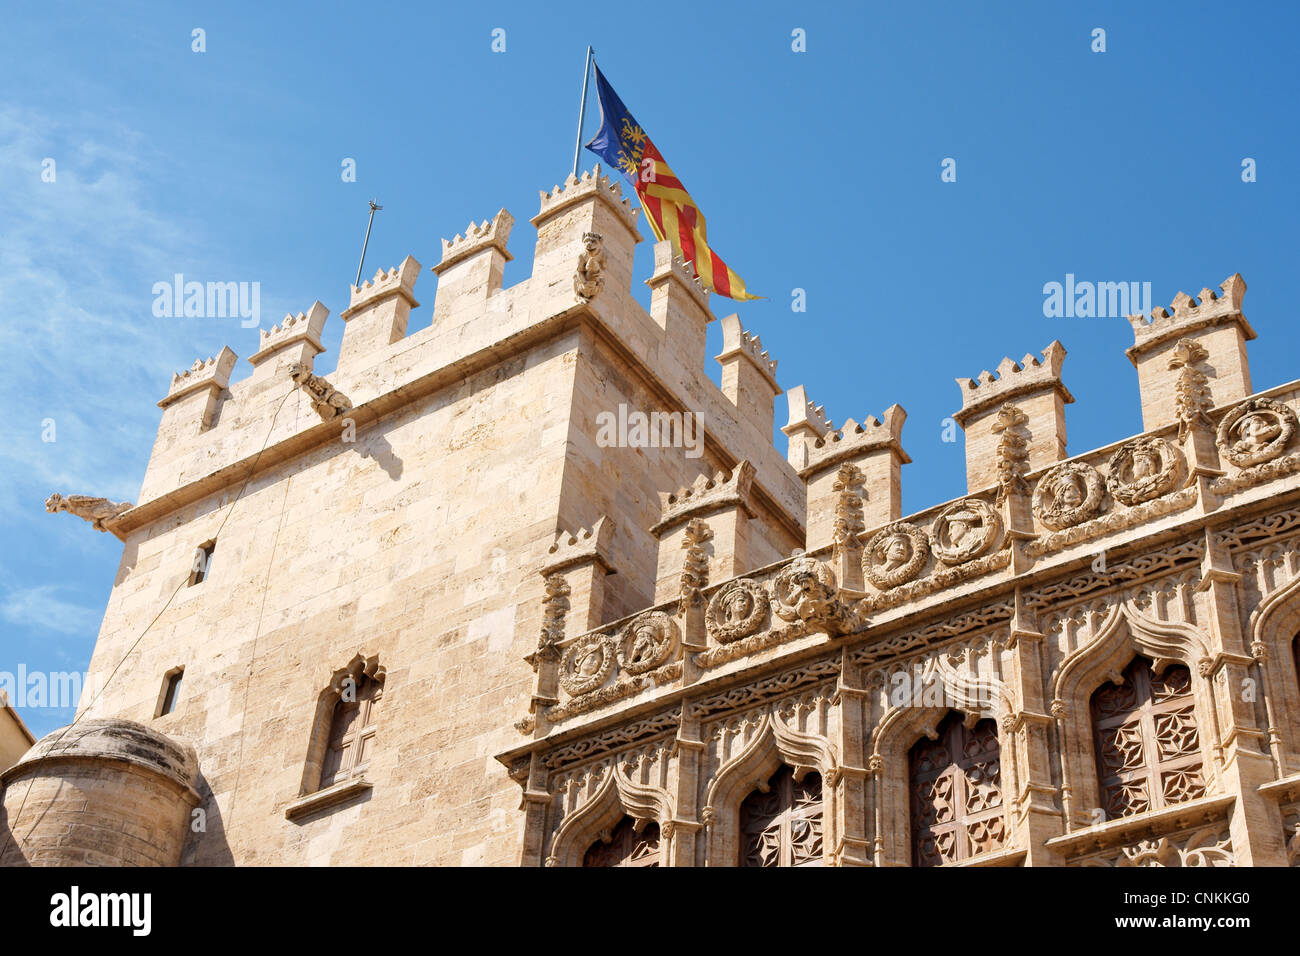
(626, 847)
(782, 824)
(956, 793)
(352, 730)
(1148, 751)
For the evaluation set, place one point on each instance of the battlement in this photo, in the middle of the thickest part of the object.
(212, 373)
(852, 440)
(706, 493)
(1213, 323)
(807, 423)
(1186, 314)
(489, 234)
(577, 547)
(737, 341)
(577, 188)
(296, 340)
(672, 268)
(1012, 379)
(399, 281)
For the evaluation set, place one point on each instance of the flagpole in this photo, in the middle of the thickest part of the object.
(362, 264)
(582, 111)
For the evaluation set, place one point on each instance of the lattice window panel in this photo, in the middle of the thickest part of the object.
(626, 847)
(956, 793)
(1146, 740)
(782, 826)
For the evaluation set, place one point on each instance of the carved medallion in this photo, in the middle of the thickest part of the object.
(805, 590)
(647, 642)
(895, 555)
(1068, 494)
(736, 610)
(965, 530)
(1143, 469)
(587, 664)
(1256, 431)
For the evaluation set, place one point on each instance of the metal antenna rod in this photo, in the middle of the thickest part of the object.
(374, 206)
(582, 112)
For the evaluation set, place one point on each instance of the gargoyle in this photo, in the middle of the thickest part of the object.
(94, 510)
(327, 401)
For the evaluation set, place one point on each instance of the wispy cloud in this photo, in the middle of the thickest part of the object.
(43, 609)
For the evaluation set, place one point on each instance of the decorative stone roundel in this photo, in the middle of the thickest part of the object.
(801, 586)
(647, 642)
(894, 555)
(736, 610)
(1256, 431)
(964, 530)
(1143, 469)
(587, 664)
(1069, 494)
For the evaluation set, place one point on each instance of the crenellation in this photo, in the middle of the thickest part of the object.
(807, 423)
(875, 447)
(295, 341)
(377, 313)
(726, 500)
(472, 267)
(509, 571)
(1034, 386)
(748, 375)
(1212, 323)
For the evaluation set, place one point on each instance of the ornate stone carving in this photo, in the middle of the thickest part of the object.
(1143, 469)
(1192, 390)
(588, 664)
(647, 642)
(805, 590)
(94, 510)
(326, 401)
(554, 607)
(737, 610)
(588, 280)
(965, 530)
(895, 555)
(1256, 431)
(1013, 450)
(695, 570)
(1069, 494)
(848, 507)
(1209, 847)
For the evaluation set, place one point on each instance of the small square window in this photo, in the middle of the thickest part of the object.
(202, 562)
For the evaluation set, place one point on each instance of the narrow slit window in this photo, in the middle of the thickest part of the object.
(202, 562)
(171, 691)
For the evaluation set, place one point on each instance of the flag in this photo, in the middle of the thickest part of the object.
(672, 212)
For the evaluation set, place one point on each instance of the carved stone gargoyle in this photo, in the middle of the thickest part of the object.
(588, 281)
(94, 510)
(327, 401)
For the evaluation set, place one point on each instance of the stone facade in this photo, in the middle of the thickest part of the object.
(694, 655)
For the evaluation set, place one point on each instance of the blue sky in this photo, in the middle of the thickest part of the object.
(817, 170)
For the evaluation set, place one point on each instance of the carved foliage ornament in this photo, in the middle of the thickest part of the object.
(895, 555)
(647, 642)
(1256, 431)
(737, 610)
(1069, 494)
(1143, 469)
(587, 664)
(965, 530)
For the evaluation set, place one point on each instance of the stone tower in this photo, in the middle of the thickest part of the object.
(386, 522)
